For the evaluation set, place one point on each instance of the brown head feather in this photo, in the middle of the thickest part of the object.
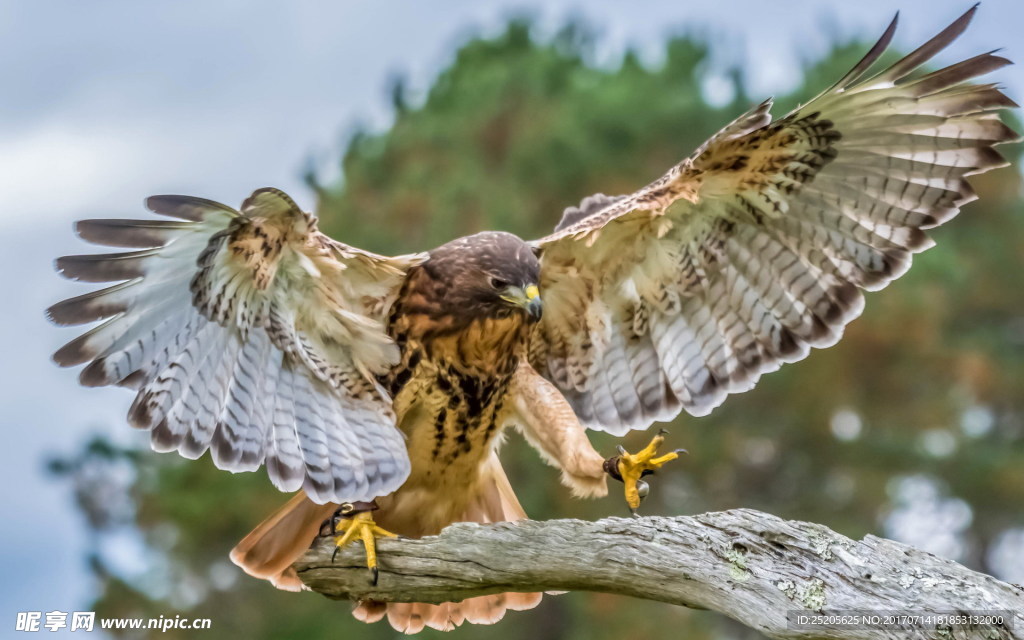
(464, 280)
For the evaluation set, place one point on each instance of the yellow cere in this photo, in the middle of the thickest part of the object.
(532, 292)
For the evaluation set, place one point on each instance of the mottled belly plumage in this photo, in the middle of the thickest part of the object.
(469, 418)
(450, 416)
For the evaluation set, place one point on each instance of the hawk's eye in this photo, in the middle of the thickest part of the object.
(498, 283)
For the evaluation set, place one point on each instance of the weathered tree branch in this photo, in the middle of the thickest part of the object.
(751, 566)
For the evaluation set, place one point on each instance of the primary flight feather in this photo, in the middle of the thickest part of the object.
(756, 247)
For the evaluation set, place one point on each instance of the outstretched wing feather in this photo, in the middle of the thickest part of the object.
(247, 334)
(756, 248)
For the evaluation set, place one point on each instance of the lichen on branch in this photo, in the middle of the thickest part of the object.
(751, 566)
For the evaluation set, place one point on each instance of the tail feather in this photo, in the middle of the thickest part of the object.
(413, 617)
(494, 502)
(269, 551)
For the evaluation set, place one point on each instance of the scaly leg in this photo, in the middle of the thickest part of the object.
(630, 467)
(356, 523)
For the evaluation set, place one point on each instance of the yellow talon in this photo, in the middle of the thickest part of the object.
(362, 527)
(632, 466)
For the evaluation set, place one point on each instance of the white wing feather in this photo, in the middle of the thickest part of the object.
(248, 334)
(756, 248)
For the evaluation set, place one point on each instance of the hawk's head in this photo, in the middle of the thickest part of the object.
(490, 274)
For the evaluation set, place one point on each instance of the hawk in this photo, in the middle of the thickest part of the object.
(378, 387)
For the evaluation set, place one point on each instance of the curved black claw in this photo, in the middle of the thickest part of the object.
(359, 525)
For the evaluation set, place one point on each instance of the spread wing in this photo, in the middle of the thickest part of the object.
(250, 334)
(756, 248)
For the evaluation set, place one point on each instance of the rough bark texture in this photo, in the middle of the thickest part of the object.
(751, 566)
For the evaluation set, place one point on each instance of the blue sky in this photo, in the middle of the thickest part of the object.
(106, 101)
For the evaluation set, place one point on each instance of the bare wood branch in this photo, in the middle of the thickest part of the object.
(751, 566)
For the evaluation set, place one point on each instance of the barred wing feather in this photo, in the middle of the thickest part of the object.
(249, 334)
(758, 246)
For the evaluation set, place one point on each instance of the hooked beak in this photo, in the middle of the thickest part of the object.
(534, 306)
(528, 298)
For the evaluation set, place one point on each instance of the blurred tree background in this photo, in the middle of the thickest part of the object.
(912, 427)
